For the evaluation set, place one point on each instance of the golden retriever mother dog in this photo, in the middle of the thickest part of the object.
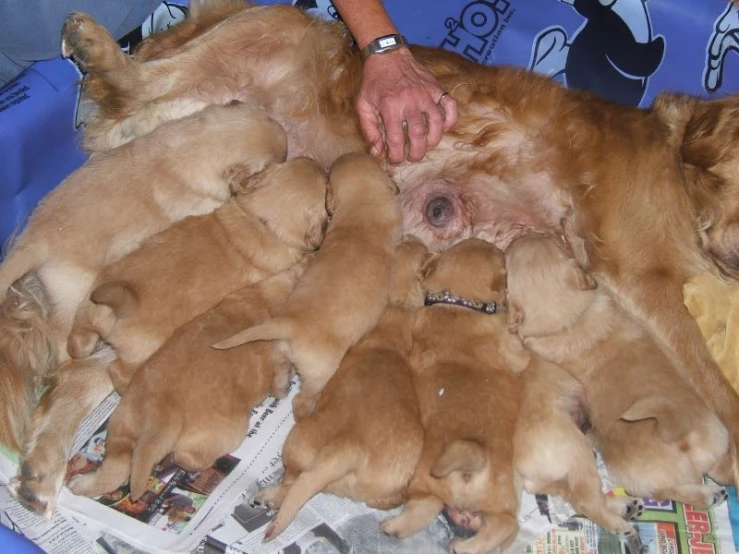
(653, 193)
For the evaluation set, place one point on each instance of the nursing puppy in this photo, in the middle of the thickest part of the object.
(107, 207)
(656, 435)
(550, 419)
(364, 438)
(464, 371)
(191, 399)
(345, 286)
(138, 302)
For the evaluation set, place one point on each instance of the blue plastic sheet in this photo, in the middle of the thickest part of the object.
(625, 50)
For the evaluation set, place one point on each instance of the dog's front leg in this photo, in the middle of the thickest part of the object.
(80, 386)
(657, 297)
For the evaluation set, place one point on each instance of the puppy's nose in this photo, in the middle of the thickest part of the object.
(439, 211)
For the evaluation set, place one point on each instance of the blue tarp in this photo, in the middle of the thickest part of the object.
(625, 50)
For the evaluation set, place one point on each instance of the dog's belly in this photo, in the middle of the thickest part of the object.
(442, 212)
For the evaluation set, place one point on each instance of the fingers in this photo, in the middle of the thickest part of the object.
(370, 124)
(451, 112)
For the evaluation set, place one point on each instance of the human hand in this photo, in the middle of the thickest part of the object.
(397, 91)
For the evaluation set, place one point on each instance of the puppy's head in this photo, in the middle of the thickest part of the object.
(405, 288)
(710, 153)
(355, 179)
(472, 269)
(290, 199)
(546, 288)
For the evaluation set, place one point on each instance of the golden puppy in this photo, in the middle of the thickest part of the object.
(464, 370)
(191, 399)
(345, 287)
(550, 419)
(525, 152)
(117, 199)
(655, 433)
(140, 300)
(365, 436)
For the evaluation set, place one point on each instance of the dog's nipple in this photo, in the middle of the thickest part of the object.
(439, 211)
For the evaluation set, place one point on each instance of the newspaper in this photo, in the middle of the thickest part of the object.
(210, 512)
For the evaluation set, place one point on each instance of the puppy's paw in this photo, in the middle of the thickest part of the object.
(720, 497)
(41, 476)
(633, 510)
(395, 527)
(90, 44)
(85, 485)
(271, 497)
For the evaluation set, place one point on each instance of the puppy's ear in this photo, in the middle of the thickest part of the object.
(429, 265)
(330, 202)
(514, 353)
(241, 177)
(393, 185)
(516, 316)
(672, 423)
(711, 132)
(582, 279)
(465, 456)
(314, 235)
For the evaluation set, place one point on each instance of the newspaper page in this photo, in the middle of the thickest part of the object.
(210, 512)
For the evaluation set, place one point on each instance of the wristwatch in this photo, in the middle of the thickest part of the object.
(380, 45)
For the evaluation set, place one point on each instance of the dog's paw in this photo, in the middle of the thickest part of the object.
(719, 497)
(41, 477)
(633, 510)
(90, 44)
(271, 497)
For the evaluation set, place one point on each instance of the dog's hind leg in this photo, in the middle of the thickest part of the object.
(418, 512)
(497, 531)
(79, 387)
(90, 323)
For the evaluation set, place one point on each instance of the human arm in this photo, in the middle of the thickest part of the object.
(395, 89)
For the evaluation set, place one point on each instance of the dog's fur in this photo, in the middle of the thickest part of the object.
(187, 389)
(653, 193)
(656, 435)
(365, 436)
(464, 364)
(117, 199)
(137, 302)
(551, 415)
(345, 287)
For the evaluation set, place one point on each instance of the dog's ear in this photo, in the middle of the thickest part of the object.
(672, 423)
(429, 265)
(514, 353)
(465, 456)
(241, 177)
(330, 202)
(582, 280)
(393, 185)
(711, 133)
(516, 316)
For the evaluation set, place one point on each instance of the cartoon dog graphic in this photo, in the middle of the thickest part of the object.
(612, 54)
(724, 39)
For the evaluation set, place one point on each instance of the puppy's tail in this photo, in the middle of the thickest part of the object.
(275, 329)
(466, 456)
(333, 462)
(150, 449)
(28, 354)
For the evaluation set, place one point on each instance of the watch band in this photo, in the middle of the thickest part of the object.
(386, 43)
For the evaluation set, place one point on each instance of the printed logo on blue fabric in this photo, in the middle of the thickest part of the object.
(724, 39)
(612, 54)
(478, 29)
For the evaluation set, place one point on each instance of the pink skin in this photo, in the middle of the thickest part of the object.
(396, 89)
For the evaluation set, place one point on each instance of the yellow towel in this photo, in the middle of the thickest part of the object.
(714, 303)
